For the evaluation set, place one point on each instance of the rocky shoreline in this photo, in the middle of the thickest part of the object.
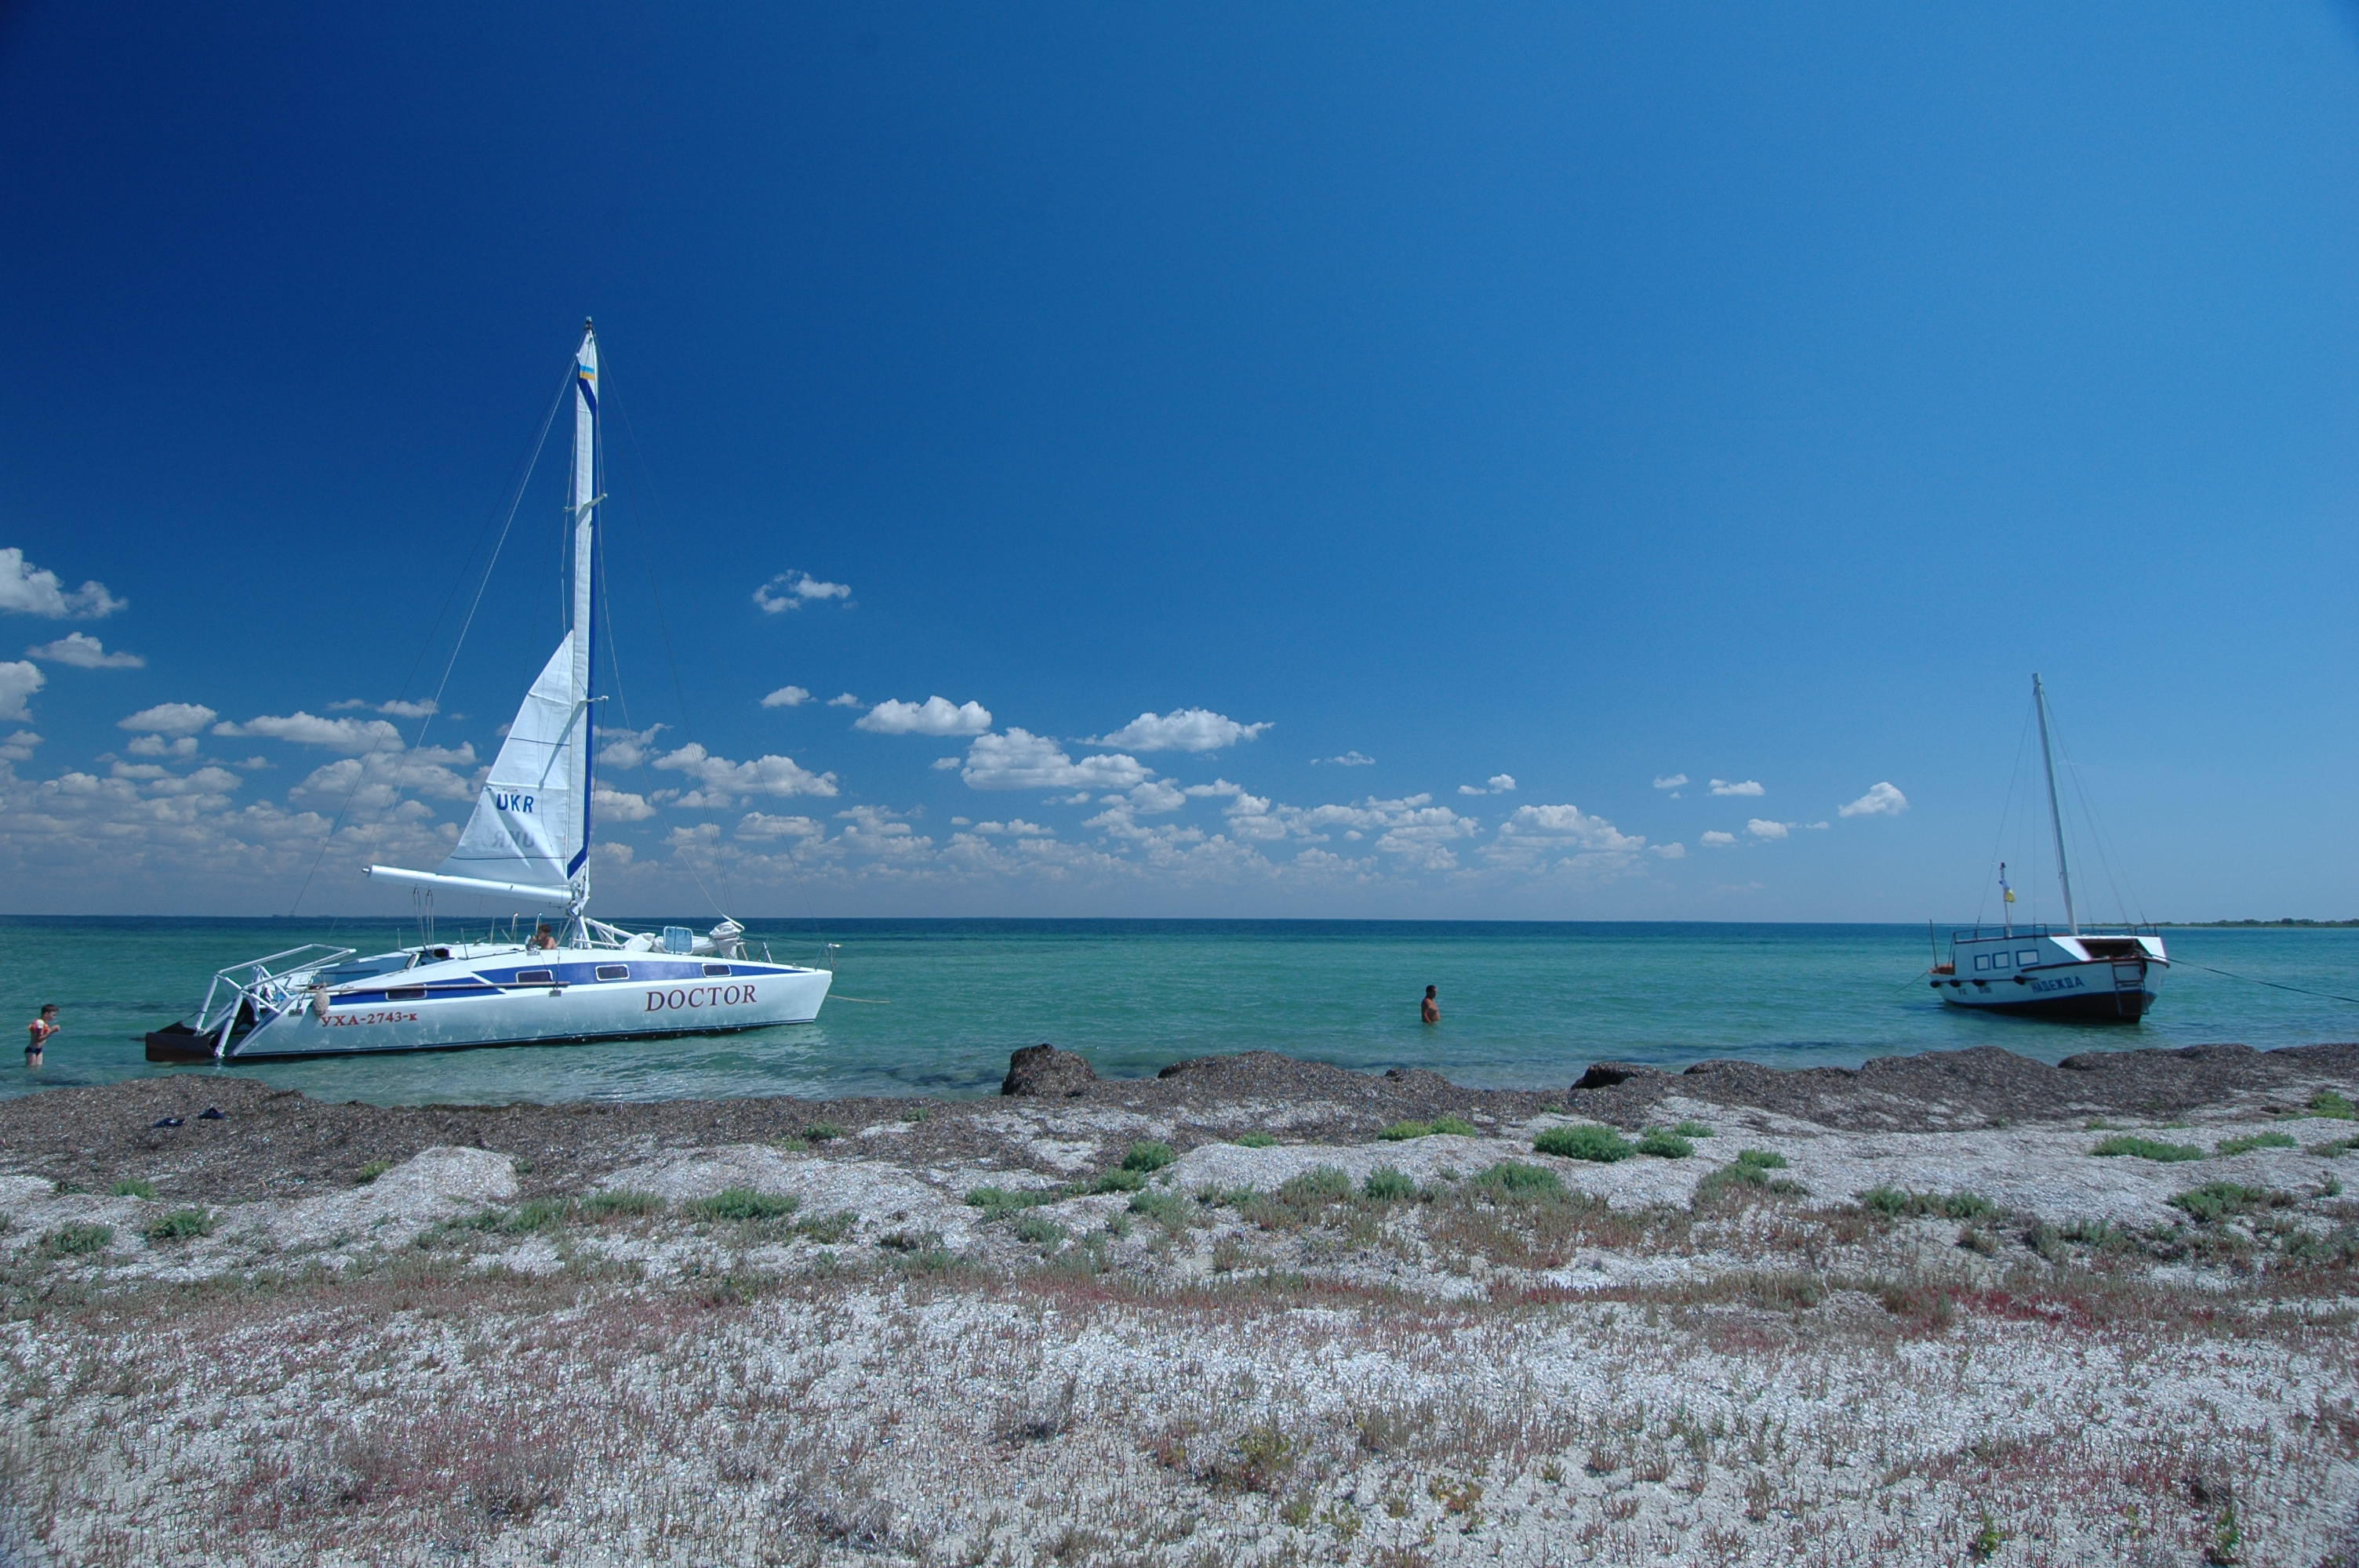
(1953, 1306)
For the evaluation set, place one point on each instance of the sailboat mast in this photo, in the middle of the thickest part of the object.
(584, 499)
(2055, 810)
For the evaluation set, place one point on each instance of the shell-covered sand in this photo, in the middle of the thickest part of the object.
(1906, 1314)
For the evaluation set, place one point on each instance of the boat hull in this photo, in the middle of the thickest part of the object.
(2098, 993)
(457, 1007)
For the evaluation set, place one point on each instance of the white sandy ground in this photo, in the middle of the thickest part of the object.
(310, 1384)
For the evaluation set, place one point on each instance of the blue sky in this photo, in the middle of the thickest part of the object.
(1569, 397)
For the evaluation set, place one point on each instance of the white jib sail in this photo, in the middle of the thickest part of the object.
(531, 824)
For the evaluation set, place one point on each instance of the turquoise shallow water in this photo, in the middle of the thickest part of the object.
(1525, 1005)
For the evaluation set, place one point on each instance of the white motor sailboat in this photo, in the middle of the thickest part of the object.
(527, 842)
(2043, 972)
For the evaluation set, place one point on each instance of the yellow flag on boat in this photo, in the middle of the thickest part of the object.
(2010, 895)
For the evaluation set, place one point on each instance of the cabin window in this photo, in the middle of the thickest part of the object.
(1982, 960)
(535, 977)
(716, 968)
(2027, 955)
(613, 971)
(2001, 961)
(406, 993)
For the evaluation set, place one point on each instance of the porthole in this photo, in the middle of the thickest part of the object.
(712, 969)
(535, 977)
(613, 971)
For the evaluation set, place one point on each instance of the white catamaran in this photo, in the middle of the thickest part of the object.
(529, 841)
(2044, 972)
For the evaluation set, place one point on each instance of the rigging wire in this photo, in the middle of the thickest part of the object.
(517, 481)
(2274, 985)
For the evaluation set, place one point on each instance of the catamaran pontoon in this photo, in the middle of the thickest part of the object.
(529, 841)
(2044, 972)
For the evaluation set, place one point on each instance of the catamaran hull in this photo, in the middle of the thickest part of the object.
(540, 1016)
(2107, 993)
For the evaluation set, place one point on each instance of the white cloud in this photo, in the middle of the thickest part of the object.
(1570, 825)
(170, 719)
(1715, 840)
(760, 824)
(380, 779)
(1883, 800)
(397, 708)
(1155, 797)
(619, 805)
(1181, 729)
(157, 746)
(1348, 760)
(1217, 788)
(28, 590)
(1021, 760)
(792, 590)
(1016, 827)
(18, 747)
(1669, 851)
(935, 716)
(347, 735)
(621, 748)
(787, 696)
(1497, 783)
(1760, 828)
(18, 680)
(1670, 780)
(723, 780)
(845, 700)
(84, 652)
(1746, 786)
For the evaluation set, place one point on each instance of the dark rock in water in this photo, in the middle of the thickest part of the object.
(1048, 1073)
(213, 1113)
(166, 1121)
(1606, 1075)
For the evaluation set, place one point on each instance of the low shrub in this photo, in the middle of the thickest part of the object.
(1749, 1170)
(2251, 1142)
(1037, 1229)
(1925, 1303)
(2135, 1147)
(1900, 1203)
(1254, 1139)
(1117, 1182)
(1600, 1143)
(822, 1132)
(1515, 1180)
(77, 1240)
(1692, 1129)
(1002, 1201)
(620, 1202)
(371, 1171)
(132, 1187)
(830, 1228)
(181, 1224)
(2333, 1148)
(1386, 1185)
(2216, 1201)
(1147, 1156)
(742, 1204)
(1402, 1131)
(1321, 1184)
(1165, 1210)
(1664, 1144)
(2327, 1103)
(1456, 1126)
(1761, 1159)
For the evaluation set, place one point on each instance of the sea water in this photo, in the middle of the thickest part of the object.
(936, 1006)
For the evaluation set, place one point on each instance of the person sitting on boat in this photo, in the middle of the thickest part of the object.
(543, 941)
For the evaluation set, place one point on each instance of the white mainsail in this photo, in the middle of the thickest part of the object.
(530, 831)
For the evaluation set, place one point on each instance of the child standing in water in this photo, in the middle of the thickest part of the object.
(1431, 1010)
(40, 1029)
